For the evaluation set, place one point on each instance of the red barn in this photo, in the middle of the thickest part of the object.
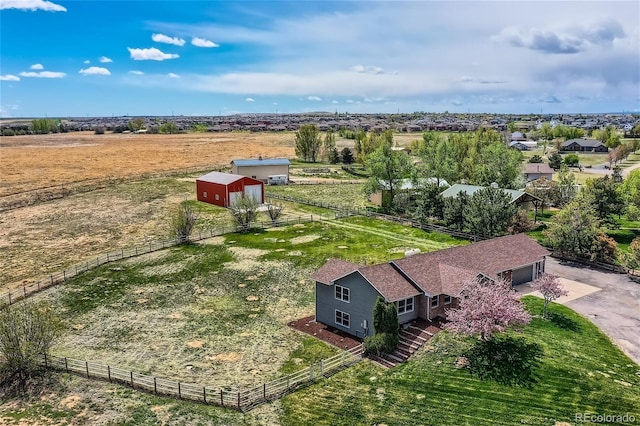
(222, 189)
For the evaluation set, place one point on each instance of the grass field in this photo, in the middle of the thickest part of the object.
(213, 313)
(429, 389)
(36, 161)
(190, 312)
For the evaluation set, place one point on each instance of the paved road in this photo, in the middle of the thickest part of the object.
(615, 308)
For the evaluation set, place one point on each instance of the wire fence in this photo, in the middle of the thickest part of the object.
(325, 182)
(344, 211)
(29, 197)
(59, 277)
(242, 400)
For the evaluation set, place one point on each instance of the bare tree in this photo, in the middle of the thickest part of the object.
(274, 211)
(27, 332)
(244, 211)
(183, 221)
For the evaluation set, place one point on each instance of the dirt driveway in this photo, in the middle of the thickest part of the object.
(615, 308)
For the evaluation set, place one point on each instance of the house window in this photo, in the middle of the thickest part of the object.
(343, 318)
(204, 194)
(434, 302)
(217, 197)
(342, 293)
(447, 300)
(405, 305)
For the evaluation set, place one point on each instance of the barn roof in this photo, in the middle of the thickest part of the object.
(221, 178)
(261, 162)
(516, 195)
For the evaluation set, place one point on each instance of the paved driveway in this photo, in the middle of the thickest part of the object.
(615, 307)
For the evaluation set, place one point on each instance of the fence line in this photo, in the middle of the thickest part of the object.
(56, 278)
(341, 211)
(29, 197)
(241, 400)
(324, 182)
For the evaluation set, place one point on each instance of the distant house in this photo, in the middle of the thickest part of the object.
(523, 145)
(381, 198)
(518, 136)
(261, 168)
(222, 189)
(583, 145)
(517, 197)
(533, 171)
(423, 286)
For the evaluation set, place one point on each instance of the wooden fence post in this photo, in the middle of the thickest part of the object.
(86, 364)
(66, 364)
(51, 278)
(204, 394)
(221, 398)
(238, 399)
(109, 373)
(155, 386)
(64, 275)
(45, 361)
(9, 297)
(24, 291)
(131, 375)
(179, 391)
(264, 391)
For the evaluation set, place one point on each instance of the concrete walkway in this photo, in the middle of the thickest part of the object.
(611, 301)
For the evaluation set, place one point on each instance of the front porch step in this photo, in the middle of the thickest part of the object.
(418, 332)
(410, 343)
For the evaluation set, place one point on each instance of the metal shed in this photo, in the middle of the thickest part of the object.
(261, 168)
(222, 189)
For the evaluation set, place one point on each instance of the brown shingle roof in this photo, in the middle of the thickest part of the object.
(440, 272)
(538, 168)
(389, 283)
(334, 269)
(445, 271)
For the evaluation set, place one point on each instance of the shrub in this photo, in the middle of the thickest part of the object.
(8, 132)
(571, 160)
(379, 343)
(99, 131)
(27, 332)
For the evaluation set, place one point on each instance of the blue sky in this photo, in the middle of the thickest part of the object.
(103, 58)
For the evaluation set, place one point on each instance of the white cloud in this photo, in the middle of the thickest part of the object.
(105, 60)
(172, 75)
(32, 5)
(369, 69)
(202, 42)
(335, 102)
(136, 72)
(95, 71)
(161, 38)
(9, 77)
(43, 74)
(150, 54)
(36, 67)
(249, 100)
(87, 61)
(313, 98)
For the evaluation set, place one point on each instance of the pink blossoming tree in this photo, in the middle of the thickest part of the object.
(550, 287)
(485, 308)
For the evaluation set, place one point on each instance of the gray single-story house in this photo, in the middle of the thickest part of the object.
(583, 145)
(261, 168)
(533, 171)
(422, 286)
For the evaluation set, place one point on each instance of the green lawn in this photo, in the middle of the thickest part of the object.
(580, 371)
(348, 195)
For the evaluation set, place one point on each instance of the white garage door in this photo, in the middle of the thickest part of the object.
(254, 191)
(233, 196)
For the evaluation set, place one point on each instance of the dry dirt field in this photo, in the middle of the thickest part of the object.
(36, 161)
